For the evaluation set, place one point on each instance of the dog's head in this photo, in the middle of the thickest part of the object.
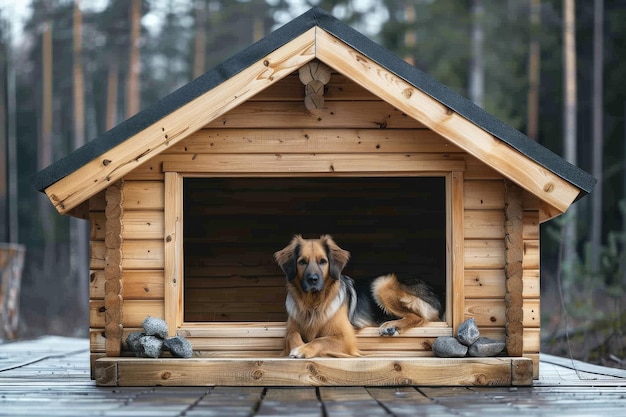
(310, 263)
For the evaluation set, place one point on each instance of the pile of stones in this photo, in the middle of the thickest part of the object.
(467, 342)
(153, 341)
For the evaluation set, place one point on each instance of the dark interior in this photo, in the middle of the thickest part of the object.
(232, 227)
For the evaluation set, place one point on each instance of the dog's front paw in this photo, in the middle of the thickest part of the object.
(388, 330)
(297, 353)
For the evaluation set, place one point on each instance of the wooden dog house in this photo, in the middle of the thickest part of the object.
(314, 129)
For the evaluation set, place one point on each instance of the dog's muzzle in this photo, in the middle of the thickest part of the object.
(312, 282)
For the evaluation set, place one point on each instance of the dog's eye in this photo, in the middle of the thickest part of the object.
(323, 261)
(302, 262)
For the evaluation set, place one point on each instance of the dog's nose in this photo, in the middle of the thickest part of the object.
(313, 278)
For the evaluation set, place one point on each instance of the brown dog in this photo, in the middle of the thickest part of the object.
(324, 306)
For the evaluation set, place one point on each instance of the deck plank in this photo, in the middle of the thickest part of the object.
(50, 376)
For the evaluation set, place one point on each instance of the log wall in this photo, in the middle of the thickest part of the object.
(354, 122)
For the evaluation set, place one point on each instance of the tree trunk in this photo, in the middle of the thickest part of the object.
(112, 81)
(410, 39)
(79, 238)
(200, 40)
(45, 146)
(534, 64)
(4, 160)
(132, 98)
(598, 140)
(569, 128)
(477, 68)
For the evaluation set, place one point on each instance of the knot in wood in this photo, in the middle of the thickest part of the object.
(549, 187)
(106, 162)
(397, 367)
(166, 375)
(257, 374)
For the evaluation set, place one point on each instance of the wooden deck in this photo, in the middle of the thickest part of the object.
(50, 377)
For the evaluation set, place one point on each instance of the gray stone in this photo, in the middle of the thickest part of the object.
(178, 346)
(448, 347)
(132, 340)
(149, 347)
(468, 332)
(153, 326)
(485, 346)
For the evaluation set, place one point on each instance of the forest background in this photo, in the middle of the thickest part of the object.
(554, 69)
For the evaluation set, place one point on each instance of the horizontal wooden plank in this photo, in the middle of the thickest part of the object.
(532, 340)
(484, 254)
(336, 114)
(231, 296)
(475, 169)
(484, 224)
(532, 313)
(138, 254)
(137, 284)
(221, 277)
(486, 312)
(383, 164)
(144, 224)
(490, 283)
(531, 254)
(278, 329)
(484, 283)
(220, 315)
(492, 312)
(144, 195)
(147, 171)
(244, 141)
(367, 344)
(532, 337)
(531, 282)
(98, 201)
(320, 371)
(531, 225)
(134, 312)
(97, 338)
(483, 195)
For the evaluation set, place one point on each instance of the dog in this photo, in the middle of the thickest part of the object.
(324, 307)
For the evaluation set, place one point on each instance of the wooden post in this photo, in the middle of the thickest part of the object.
(11, 264)
(113, 301)
(174, 309)
(513, 270)
(314, 75)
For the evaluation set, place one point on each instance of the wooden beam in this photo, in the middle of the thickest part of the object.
(113, 301)
(513, 269)
(313, 163)
(173, 251)
(417, 371)
(213, 141)
(456, 249)
(114, 164)
(509, 162)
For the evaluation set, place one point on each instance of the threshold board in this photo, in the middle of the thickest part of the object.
(368, 371)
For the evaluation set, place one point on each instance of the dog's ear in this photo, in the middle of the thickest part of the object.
(286, 257)
(337, 257)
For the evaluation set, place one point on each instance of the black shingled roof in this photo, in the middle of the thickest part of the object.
(283, 35)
